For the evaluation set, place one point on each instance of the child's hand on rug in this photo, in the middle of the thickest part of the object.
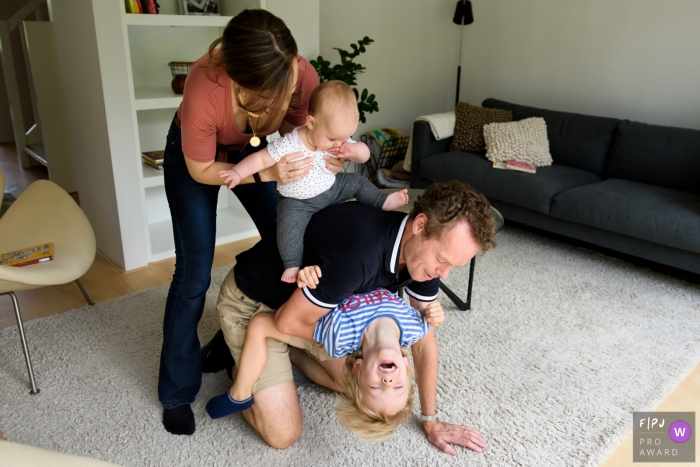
(308, 277)
(434, 314)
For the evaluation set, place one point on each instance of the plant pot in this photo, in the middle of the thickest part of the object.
(178, 83)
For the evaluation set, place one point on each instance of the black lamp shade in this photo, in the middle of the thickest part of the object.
(463, 13)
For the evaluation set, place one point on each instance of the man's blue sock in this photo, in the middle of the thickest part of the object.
(223, 405)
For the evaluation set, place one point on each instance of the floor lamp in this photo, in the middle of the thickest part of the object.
(463, 15)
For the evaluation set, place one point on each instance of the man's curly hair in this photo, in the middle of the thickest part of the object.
(446, 204)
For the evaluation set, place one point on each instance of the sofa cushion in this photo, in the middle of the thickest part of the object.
(463, 166)
(658, 155)
(575, 140)
(523, 141)
(531, 191)
(656, 214)
(469, 126)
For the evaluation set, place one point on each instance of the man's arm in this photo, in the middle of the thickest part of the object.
(298, 316)
(425, 360)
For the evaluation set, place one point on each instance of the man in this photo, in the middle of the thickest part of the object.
(358, 249)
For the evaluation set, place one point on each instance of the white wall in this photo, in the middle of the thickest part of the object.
(302, 18)
(411, 66)
(79, 58)
(635, 59)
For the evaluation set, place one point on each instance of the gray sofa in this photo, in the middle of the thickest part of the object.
(626, 186)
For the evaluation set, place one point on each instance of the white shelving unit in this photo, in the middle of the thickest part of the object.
(116, 79)
(153, 41)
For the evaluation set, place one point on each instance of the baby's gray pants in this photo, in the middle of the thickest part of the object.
(293, 215)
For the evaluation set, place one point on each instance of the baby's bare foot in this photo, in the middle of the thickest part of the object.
(290, 275)
(396, 200)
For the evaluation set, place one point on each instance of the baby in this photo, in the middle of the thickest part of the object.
(373, 330)
(333, 118)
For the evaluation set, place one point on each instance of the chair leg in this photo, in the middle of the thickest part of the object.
(87, 297)
(25, 349)
(463, 306)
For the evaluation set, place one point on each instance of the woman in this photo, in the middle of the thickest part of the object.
(250, 84)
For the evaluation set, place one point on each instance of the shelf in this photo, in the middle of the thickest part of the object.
(151, 176)
(156, 98)
(231, 225)
(176, 20)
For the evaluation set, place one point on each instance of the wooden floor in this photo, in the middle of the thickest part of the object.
(105, 281)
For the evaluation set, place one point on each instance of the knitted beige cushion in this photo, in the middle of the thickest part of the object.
(524, 141)
(469, 126)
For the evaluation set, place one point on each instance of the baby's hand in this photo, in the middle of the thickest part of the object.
(347, 151)
(231, 177)
(434, 314)
(308, 277)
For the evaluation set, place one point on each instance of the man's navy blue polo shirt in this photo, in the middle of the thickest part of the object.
(357, 248)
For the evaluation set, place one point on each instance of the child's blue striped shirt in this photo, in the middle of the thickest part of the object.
(340, 331)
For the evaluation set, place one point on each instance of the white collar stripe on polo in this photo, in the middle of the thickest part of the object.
(422, 298)
(397, 244)
(316, 301)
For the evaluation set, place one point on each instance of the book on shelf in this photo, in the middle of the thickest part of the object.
(515, 165)
(156, 157)
(142, 6)
(26, 256)
(130, 6)
(150, 163)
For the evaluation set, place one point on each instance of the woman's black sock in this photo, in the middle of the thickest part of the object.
(179, 420)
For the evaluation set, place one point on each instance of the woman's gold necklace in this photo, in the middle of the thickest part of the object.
(254, 141)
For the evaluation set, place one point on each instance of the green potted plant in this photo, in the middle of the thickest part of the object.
(346, 71)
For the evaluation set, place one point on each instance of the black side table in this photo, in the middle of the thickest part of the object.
(462, 305)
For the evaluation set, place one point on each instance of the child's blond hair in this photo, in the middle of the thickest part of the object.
(355, 417)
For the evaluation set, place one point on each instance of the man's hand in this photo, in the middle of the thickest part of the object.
(434, 314)
(308, 277)
(444, 435)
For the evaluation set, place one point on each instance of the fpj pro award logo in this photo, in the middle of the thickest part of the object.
(664, 437)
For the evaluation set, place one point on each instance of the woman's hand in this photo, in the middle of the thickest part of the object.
(334, 164)
(285, 171)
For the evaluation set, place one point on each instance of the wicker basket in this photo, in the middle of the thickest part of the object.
(179, 71)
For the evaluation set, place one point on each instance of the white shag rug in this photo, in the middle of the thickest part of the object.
(560, 347)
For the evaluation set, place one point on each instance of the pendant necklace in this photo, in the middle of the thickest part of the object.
(254, 141)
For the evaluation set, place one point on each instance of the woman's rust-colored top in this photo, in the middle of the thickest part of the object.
(206, 113)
